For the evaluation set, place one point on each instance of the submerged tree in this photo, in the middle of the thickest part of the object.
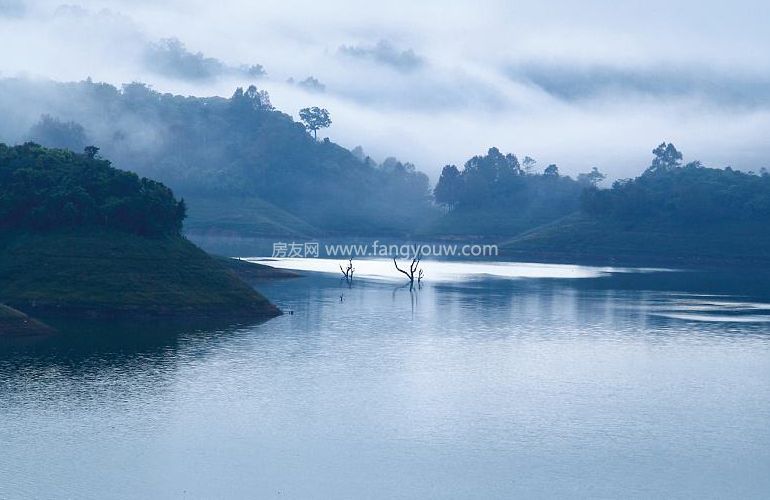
(315, 118)
(414, 271)
(347, 272)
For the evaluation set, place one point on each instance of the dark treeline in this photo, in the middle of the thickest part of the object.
(689, 194)
(223, 153)
(497, 180)
(44, 189)
(225, 149)
(672, 214)
(496, 194)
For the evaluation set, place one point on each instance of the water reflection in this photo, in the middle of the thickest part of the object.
(488, 387)
(97, 359)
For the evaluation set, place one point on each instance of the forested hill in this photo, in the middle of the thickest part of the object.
(223, 152)
(671, 213)
(80, 237)
(52, 189)
(495, 195)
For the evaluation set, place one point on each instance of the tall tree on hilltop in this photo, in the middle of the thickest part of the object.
(551, 170)
(315, 118)
(667, 158)
(528, 164)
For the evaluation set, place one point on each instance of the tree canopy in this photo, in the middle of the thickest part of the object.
(44, 189)
(494, 195)
(315, 118)
(58, 134)
(670, 192)
(499, 180)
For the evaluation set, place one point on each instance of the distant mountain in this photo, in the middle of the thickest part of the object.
(262, 170)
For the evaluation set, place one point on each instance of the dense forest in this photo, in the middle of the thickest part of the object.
(247, 168)
(497, 195)
(672, 213)
(222, 151)
(683, 194)
(44, 189)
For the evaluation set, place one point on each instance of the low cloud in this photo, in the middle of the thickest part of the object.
(312, 84)
(11, 8)
(169, 57)
(578, 83)
(383, 52)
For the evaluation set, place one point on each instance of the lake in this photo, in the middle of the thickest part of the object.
(492, 380)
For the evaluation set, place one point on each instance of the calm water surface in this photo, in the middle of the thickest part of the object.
(492, 381)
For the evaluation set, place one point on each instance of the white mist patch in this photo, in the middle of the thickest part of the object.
(438, 271)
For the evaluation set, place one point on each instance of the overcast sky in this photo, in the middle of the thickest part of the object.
(580, 84)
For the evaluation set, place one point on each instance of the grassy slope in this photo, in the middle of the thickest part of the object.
(250, 216)
(111, 273)
(578, 238)
(251, 271)
(482, 223)
(13, 322)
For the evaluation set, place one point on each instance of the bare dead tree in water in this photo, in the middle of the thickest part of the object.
(414, 272)
(347, 272)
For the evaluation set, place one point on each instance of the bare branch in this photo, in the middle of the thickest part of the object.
(401, 270)
(347, 273)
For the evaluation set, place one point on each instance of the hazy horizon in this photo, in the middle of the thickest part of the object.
(580, 86)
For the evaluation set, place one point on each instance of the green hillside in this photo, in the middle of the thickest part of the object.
(16, 323)
(115, 273)
(244, 216)
(80, 237)
(581, 238)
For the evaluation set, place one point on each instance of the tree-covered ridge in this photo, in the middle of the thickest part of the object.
(43, 188)
(683, 194)
(497, 195)
(225, 149)
(500, 180)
